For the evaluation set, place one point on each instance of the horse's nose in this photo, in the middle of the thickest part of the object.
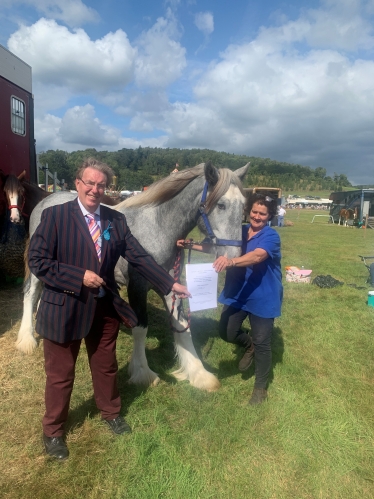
(14, 220)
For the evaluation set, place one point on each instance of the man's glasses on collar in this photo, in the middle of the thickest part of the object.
(91, 185)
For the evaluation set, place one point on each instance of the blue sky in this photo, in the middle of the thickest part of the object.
(291, 81)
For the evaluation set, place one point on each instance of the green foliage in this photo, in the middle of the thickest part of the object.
(136, 168)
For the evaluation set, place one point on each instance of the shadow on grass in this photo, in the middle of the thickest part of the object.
(11, 303)
(161, 359)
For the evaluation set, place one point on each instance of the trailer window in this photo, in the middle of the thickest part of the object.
(18, 116)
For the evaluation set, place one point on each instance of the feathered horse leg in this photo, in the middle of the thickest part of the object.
(139, 371)
(26, 342)
(32, 288)
(191, 368)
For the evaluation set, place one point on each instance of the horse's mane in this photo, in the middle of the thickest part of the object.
(165, 189)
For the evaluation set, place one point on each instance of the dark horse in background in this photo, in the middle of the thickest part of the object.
(346, 214)
(13, 230)
(18, 198)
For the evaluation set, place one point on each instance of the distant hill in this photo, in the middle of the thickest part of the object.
(135, 168)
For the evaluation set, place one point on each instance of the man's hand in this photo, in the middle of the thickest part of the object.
(92, 280)
(181, 290)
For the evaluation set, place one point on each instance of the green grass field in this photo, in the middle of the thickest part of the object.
(313, 438)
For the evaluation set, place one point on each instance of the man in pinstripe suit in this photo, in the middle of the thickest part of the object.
(80, 298)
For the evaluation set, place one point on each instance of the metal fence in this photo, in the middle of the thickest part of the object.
(48, 175)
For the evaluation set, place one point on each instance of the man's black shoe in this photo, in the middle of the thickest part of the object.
(56, 447)
(247, 358)
(118, 425)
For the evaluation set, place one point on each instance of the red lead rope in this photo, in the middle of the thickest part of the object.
(20, 208)
(177, 273)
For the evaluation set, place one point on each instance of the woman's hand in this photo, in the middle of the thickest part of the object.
(189, 244)
(222, 263)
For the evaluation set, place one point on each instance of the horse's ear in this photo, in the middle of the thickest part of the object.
(241, 172)
(211, 174)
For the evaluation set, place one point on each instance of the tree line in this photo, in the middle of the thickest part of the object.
(136, 168)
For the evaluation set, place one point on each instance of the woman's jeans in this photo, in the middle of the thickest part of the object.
(261, 329)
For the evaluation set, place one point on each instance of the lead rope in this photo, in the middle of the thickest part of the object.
(20, 208)
(177, 273)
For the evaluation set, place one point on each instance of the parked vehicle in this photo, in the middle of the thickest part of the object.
(361, 201)
(17, 145)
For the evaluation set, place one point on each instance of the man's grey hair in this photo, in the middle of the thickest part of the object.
(96, 165)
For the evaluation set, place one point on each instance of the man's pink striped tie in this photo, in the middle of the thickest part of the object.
(95, 233)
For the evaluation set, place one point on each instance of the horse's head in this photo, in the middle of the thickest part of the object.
(14, 193)
(224, 209)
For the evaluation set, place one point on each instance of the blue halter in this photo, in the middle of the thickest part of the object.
(212, 237)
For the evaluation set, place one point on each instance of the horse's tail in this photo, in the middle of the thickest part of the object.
(26, 260)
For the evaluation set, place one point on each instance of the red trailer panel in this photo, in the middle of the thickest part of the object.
(17, 144)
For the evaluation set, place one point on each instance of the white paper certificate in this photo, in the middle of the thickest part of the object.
(202, 283)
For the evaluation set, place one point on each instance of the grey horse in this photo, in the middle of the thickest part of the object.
(167, 211)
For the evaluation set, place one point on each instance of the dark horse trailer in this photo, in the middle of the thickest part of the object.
(360, 200)
(17, 144)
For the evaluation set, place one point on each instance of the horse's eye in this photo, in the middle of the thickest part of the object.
(221, 206)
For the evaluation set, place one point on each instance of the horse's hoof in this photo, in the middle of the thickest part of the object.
(151, 379)
(205, 381)
(26, 346)
(208, 384)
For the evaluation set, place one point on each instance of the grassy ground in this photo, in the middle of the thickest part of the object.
(312, 439)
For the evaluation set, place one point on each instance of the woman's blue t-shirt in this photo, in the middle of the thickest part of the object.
(257, 288)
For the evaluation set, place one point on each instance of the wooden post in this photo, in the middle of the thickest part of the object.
(46, 177)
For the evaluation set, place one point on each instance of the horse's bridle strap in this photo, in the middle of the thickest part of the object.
(20, 208)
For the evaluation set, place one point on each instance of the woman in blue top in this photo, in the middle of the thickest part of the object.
(253, 289)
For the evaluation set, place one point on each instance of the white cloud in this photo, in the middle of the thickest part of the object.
(80, 126)
(341, 26)
(268, 99)
(204, 22)
(131, 143)
(161, 58)
(80, 129)
(47, 133)
(72, 12)
(62, 58)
